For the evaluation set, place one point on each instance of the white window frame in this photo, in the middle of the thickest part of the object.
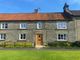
(39, 25)
(61, 25)
(3, 25)
(20, 37)
(64, 38)
(23, 25)
(2, 36)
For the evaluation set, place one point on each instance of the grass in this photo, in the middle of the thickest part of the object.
(39, 55)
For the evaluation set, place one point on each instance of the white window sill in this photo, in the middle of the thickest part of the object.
(2, 39)
(61, 28)
(61, 40)
(22, 28)
(39, 28)
(22, 39)
(4, 28)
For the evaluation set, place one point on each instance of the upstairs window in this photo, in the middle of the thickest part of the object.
(39, 25)
(4, 25)
(2, 36)
(61, 25)
(61, 37)
(23, 25)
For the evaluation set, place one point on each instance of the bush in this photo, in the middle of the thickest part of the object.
(10, 44)
(59, 44)
(76, 44)
(1, 44)
(23, 44)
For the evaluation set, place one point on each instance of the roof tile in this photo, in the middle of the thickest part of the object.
(31, 16)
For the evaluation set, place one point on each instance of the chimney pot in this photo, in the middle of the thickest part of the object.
(36, 10)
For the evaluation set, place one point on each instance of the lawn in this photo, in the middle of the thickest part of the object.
(39, 55)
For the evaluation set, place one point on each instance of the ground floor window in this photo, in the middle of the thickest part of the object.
(22, 36)
(61, 37)
(2, 36)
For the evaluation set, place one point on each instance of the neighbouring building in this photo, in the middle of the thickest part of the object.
(41, 28)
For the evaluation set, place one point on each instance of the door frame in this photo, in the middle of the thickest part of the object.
(36, 40)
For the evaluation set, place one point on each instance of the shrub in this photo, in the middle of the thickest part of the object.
(59, 44)
(10, 44)
(23, 44)
(1, 44)
(28, 44)
(76, 44)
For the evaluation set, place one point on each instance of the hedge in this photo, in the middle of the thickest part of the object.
(10, 44)
(59, 44)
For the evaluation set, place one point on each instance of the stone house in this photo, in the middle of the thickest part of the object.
(41, 28)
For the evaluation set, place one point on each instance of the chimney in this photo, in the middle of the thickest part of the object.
(36, 10)
(66, 7)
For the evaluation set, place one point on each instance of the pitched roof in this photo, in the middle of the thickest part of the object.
(31, 16)
(75, 12)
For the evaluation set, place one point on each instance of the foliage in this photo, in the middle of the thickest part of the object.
(10, 44)
(23, 44)
(76, 44)
(59, 44)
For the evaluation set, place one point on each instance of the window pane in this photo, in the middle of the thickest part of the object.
(65, 36)
(61, 25)
(22, 36)
(2, 36)
(59, 36)
(23, 26)
(62, 37)
(4, 25)
(39, 25)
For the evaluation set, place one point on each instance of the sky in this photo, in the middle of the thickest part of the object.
(28, 6)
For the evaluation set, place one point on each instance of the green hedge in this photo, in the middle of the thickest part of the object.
(76, 44)
(23, 44)
(16, 44)
(59, 44)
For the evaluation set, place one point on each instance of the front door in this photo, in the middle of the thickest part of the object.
(39, 40)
